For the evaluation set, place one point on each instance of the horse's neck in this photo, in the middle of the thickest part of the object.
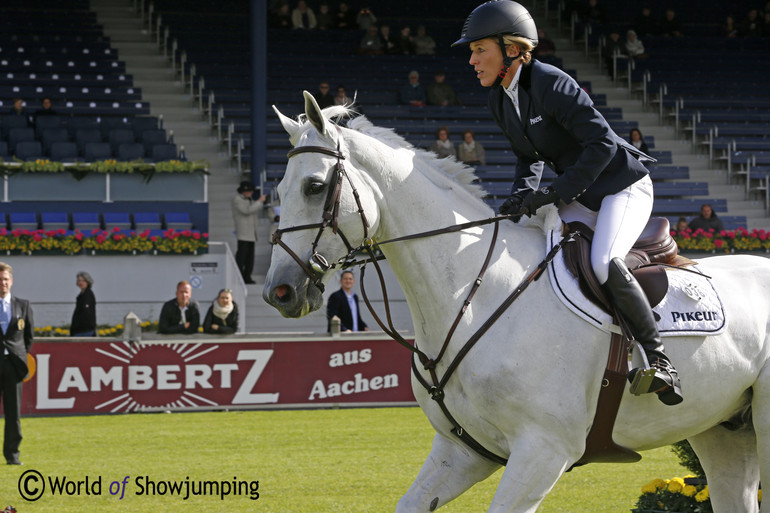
(437, 272)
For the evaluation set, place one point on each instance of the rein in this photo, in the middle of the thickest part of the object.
(318, 265)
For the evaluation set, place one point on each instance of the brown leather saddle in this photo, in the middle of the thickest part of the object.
(655, 246)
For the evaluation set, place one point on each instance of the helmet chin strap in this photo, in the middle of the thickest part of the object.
(507, 62)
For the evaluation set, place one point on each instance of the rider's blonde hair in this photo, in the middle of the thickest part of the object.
(524, 45)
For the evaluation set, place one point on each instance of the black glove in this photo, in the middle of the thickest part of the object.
(512, 205)
(539, 198)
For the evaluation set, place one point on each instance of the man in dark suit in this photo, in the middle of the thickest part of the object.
(344, 304)
(16, 326)
(182, 314)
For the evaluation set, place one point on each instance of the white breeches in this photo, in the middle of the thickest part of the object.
(617, 225)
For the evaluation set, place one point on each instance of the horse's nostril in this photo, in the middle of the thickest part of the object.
(281, 291)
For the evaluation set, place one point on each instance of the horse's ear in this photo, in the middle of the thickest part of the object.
(291, 126)
(313, 112)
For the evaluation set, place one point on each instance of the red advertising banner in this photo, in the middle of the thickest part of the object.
(117, 377)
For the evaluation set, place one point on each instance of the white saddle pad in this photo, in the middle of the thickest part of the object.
(691, 306)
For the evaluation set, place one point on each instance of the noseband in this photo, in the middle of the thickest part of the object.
(318, 264)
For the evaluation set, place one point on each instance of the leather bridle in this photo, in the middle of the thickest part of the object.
(319, 265)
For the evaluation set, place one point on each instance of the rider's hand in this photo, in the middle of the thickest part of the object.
(512, 205)
(539, 198)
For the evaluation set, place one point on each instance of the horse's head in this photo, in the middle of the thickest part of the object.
(327, 209)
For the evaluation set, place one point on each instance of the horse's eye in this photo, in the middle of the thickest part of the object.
(316, 188)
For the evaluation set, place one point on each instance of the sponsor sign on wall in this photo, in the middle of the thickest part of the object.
(113, 377)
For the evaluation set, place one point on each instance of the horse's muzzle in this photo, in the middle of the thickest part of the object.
(293, 300)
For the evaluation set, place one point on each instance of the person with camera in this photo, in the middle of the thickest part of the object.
(246, 211)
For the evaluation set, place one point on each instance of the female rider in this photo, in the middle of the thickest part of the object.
(549, 119)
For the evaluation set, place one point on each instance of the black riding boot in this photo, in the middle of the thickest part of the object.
(629, 298)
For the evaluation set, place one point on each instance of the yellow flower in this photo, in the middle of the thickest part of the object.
(702, 495)
(659, 483)
(649, 488)
(689, 490)
(676, 485)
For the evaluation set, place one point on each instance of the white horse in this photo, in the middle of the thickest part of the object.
(528, 390)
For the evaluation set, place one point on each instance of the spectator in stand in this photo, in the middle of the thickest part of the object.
(342, 98)
(612, 46)
(18, 108)
(222, 316)
(442, 146)
(707, 220)
(751, 26)
(645, 24)
(323, 97)
(388, 41)
(365, 19)
(545, 45)
(344, 17)
(180, 315)
(441, 93)
(84, 317)
(593, 13)
(634, 46)
(681, 225)
(281, 17)
(729, 28)
(371, 43)
(404, 43)
(414, 93)
(324, 19)
(635, 138)
(46, 108)
(423, 43)
(303, 16)
(470, 151)
(670, 25)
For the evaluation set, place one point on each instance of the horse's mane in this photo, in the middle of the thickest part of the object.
(459, 172)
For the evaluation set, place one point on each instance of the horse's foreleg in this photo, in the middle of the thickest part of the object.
(448, 472)
(732, 468)
(534, 467)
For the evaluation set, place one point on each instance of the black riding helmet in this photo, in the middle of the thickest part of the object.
(498, 18)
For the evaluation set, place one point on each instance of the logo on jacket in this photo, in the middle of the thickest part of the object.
(538, 119)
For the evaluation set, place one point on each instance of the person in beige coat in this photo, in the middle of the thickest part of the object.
(246, 213)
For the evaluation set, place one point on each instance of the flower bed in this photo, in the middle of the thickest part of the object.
(100, 241)
(81, 169)
(726, 241)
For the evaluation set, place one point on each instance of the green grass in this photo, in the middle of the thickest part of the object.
(333, 461)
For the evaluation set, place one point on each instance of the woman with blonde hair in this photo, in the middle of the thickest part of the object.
(549, 119)
(222, 316)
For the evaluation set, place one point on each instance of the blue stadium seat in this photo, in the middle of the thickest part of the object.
(163, 152)
(84, 136)
(4, 150)
(118, 136)
(43, 123)
(11, 121)
(29, 150)
(55, 220)
(147, 221)
(119, 220)
(64, 152)
(17, 135)
(178, 221)
(23, 221)
(130, 151)
(52, 135)
(150, 138)
(85, 221)
(94, 151)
